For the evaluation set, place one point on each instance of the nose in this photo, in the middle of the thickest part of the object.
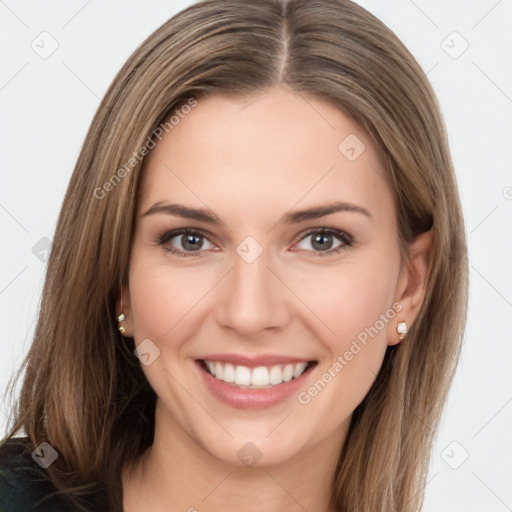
(252, 300)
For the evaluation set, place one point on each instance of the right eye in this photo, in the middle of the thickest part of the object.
(185, 242)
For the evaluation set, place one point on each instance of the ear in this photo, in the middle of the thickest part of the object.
(123, 305)
(412, 283)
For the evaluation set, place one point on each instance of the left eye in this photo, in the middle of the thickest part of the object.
(324, 241)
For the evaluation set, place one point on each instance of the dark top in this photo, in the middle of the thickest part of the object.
(25, 485)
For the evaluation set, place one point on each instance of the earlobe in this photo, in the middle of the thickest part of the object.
(399, 330)
(412, 284)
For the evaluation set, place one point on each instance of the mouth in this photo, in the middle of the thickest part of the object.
(259, 377)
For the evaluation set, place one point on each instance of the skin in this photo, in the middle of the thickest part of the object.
(250, 162)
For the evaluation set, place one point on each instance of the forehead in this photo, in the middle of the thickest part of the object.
(266, 152)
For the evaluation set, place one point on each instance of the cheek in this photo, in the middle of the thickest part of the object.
(163, 297)
(166, 303)
(354, 302)
(357, 308)
(349, 300)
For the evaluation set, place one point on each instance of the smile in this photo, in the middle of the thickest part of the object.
(260, 377)
(254, 381)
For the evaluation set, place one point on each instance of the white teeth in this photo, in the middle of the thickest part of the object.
(262, 376)
(276, 375)
(218, 371)
(242, 375)
(229, 373)
(299, 369)
(288, 373)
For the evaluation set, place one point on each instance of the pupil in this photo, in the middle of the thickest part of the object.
(189, 242)
(322, 242)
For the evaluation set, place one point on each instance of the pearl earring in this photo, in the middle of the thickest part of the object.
(120, 319)
(401, 329)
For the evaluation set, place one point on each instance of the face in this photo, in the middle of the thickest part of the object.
(266, 252)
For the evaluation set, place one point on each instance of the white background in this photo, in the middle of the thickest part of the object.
(48, 104)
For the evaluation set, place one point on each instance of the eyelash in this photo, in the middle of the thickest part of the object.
(345, 238)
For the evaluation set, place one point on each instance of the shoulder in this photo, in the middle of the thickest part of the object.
(24, 484)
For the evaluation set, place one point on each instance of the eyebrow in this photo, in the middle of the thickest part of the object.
(293, 217)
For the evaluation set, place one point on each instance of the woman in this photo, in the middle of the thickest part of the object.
(257, 287)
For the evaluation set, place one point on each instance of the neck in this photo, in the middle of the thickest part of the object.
(177, 471)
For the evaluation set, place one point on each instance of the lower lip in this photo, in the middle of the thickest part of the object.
(243, 398)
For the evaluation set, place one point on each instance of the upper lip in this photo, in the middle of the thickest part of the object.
(254, 361)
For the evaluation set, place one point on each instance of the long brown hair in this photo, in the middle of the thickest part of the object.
(84, 391)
